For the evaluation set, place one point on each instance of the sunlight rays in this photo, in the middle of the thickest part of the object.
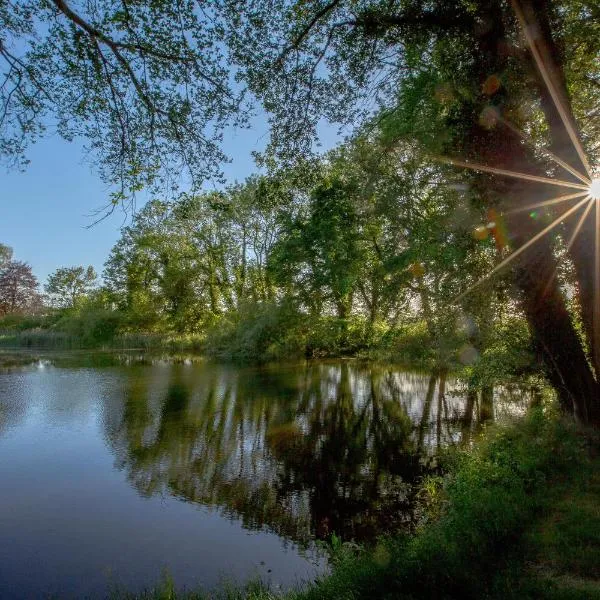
(572, 239)
(588, 193)
(527, 245)
(517, 174)
(559, 161)
(527, 29)
(579, 225)
(550, 202)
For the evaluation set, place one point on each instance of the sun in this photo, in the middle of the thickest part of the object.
(583, 186)
(594, 189)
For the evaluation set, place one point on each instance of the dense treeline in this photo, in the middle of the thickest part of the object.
(366, 251)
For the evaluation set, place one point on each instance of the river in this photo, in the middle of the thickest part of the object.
(116, 470)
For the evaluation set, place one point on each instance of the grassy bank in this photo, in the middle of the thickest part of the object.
(268, 332)
(57, 340)
(517, 516)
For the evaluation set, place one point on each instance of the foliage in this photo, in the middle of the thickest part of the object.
(18, 288)
(91, 326)
(18, 322)
(228, 590)
(260, 333)
(67, 285)
(147, 84)
(268, 332)
(320, 254)
(507, 356)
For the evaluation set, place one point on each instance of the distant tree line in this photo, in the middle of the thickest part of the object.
(19, 287)
(363, 249)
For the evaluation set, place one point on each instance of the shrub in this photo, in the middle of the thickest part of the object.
(91, 326)
(258, 332)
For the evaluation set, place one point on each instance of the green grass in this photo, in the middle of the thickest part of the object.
(13, 359)
(57, 340)
(563, 545)
(254, 590)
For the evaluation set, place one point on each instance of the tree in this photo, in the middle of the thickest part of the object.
(68, 284)
(451, 75)
(18, 288)
(6, 253)
(321, 252)
(188, 261)
(148, 85)
(151, 271)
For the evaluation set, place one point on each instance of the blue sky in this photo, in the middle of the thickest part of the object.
(46, 210)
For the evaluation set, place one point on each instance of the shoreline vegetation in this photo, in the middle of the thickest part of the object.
(265, 333)
(430, 236)
(515, 516)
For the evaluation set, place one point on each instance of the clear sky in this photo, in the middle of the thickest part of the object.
(46, 210)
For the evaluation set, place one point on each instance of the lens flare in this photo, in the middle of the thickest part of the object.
(585, 190)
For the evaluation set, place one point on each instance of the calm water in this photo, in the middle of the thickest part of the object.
(114, 473)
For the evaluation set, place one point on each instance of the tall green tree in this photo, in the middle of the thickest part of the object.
(320, 253)
(451, 75)
(151, 271)
(67, 285)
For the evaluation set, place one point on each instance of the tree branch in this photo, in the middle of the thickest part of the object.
(114, 47)
(307, 29)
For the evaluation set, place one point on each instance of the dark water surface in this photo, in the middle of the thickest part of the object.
(114, 471)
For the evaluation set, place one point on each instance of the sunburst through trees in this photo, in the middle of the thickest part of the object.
(585, 187)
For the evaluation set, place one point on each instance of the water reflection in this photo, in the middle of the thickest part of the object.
(302, 450)
(130, 464)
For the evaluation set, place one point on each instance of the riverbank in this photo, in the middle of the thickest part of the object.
(516, 516)
(277, 333)
(16, 359)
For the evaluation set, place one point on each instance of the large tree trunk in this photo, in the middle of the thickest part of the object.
(536, 16)
(551, 326)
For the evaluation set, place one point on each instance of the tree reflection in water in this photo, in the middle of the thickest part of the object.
(304, 451)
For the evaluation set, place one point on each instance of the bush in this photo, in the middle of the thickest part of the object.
(477, 548)
(264, 332)
(18, 322)
(409, 343)
(258, 332)
(508, 355)
(91, 326)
